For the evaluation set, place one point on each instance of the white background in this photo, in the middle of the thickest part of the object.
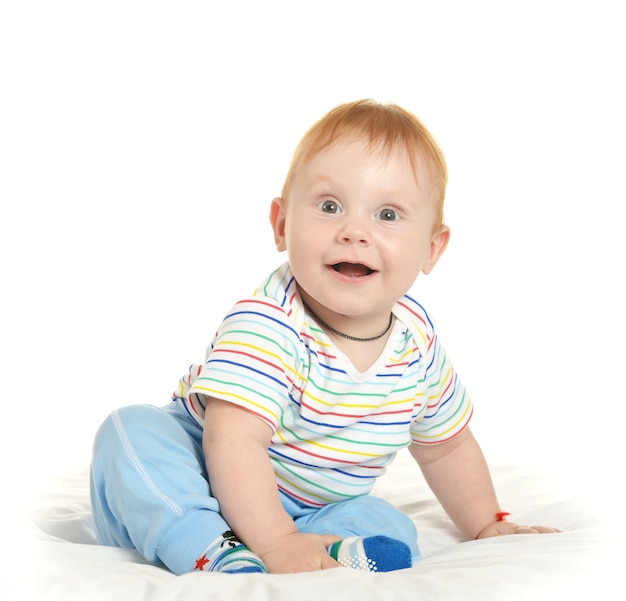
(141, 144)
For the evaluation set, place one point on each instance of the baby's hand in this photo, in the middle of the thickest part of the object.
(503, 527)
(299, 552)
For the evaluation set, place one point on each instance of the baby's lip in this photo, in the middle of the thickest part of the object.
(352, 269)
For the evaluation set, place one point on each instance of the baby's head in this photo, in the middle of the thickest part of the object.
(361, 215)
(384, 127)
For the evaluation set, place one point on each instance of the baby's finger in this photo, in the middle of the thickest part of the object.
(545, 530)
(329, 539)
(328, 563)
(535, 530)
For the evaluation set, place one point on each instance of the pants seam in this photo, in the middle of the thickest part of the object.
(139, 467)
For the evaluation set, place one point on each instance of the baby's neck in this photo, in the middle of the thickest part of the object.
(361, 354)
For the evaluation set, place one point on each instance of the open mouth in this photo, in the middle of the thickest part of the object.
(352, 269)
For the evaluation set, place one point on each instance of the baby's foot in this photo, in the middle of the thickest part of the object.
(229, 555)
(372, 553)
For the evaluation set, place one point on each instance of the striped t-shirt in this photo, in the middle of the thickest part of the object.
(335, 428)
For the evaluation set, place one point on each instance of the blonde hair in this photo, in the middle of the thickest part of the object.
(382, 125)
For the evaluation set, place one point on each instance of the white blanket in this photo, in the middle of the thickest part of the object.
(63, 561)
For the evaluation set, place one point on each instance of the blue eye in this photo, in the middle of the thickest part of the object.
(388, 215)
(330, 206)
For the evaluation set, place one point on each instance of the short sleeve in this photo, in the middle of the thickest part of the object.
(447, 406)
(254, 360)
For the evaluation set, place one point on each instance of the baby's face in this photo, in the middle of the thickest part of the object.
(358, 230)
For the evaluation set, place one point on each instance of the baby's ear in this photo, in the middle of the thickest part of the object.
(438, 245)
(277, 219)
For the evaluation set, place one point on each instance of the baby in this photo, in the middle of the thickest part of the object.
(266, 456)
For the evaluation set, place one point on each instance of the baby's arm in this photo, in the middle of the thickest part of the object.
(235, 444)
(458, 475)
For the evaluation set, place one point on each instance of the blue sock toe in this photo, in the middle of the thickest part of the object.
(372, 553)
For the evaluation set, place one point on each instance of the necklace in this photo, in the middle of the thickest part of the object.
(354, 338)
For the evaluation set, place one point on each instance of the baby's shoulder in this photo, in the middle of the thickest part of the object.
(417, 320)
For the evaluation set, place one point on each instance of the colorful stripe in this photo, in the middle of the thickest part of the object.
(334, 430)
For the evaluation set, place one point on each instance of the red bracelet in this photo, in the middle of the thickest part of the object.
(500, 517)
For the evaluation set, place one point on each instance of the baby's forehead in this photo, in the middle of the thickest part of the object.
(352, 147)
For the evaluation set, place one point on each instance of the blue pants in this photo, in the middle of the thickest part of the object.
(150, 491)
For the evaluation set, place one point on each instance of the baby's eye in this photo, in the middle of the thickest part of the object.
(330, 206)
(388, 215)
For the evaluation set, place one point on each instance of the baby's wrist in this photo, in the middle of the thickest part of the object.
(271, 542)
(500, 516)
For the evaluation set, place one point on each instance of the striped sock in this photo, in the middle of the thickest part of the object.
(229, 555)
(371, 553)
